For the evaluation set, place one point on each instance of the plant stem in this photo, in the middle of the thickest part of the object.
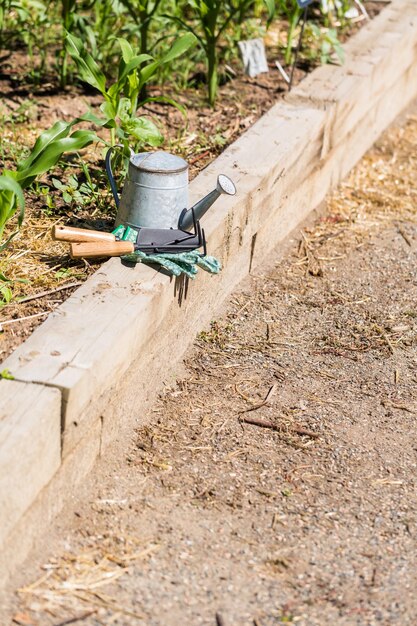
(291, 31)
(212, 66)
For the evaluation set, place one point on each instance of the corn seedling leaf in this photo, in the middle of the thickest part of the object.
(270, 5)
(57, 131)
(133, 64)
(143, 130)
(88, 68)
(179, 47)
(126, 48)
(50, 156)
(8, 183)
(11, 196)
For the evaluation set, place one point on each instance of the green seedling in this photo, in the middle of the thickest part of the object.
(6, 284)
(68, 9)
(328, 43)
(292, 12)
(211, 20)
(121, 98)
(48, 149)
(74, 192)
(6, 294)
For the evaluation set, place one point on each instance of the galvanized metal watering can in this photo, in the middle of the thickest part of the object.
(155, 193)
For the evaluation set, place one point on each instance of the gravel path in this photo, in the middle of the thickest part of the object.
(308, 516)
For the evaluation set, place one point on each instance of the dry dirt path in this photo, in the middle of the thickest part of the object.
(312, 522)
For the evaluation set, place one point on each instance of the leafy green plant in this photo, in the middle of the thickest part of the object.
(211, 20)
(121, 98)
(76, 192)
(6, 293)
(6, 285)
(142, 13)
(327, 41)
(48, 149)
(29, 22)
(97, 27)
(68, 9)
(290, 10)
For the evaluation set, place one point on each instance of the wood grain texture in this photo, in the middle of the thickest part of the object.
(30, 447)
(68, 233)
(99, 249)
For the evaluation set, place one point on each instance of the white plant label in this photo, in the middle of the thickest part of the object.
(253, 57)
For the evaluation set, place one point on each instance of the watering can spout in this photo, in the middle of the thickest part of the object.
(224, 185)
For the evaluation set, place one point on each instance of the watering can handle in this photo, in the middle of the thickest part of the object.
(110, 176)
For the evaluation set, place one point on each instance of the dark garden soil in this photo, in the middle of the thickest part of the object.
(48, 273)
(276, 482)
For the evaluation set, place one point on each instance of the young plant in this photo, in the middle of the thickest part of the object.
(96, 29)
(142, 13)
(121, 98)
(28, 22)
(76, 192)
(212, 18)
(68, 9)
(6, 292)
(291, 10)
(48, 149)
(328, 43)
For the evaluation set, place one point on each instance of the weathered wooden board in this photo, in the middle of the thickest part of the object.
(30, 447)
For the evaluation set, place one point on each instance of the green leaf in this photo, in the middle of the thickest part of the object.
(179, 47)
(126, 48)
(270, 5)
(110, 113)
(57, 131)
(143, 130)
(50, 156)
(8, 183)
(6, 374)
(88, 68)
(106, 122)
(57, 184)
(11, 196)
(133, 64)
(6, 293)
(124, 111)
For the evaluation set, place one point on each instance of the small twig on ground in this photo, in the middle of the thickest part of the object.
(219, 620)
(78, 618)
(202, 155)
(265, 402)
(394, 405)
(23, 319)
(294, 428)
(403, 234)
(388, 342)
(49, 292)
